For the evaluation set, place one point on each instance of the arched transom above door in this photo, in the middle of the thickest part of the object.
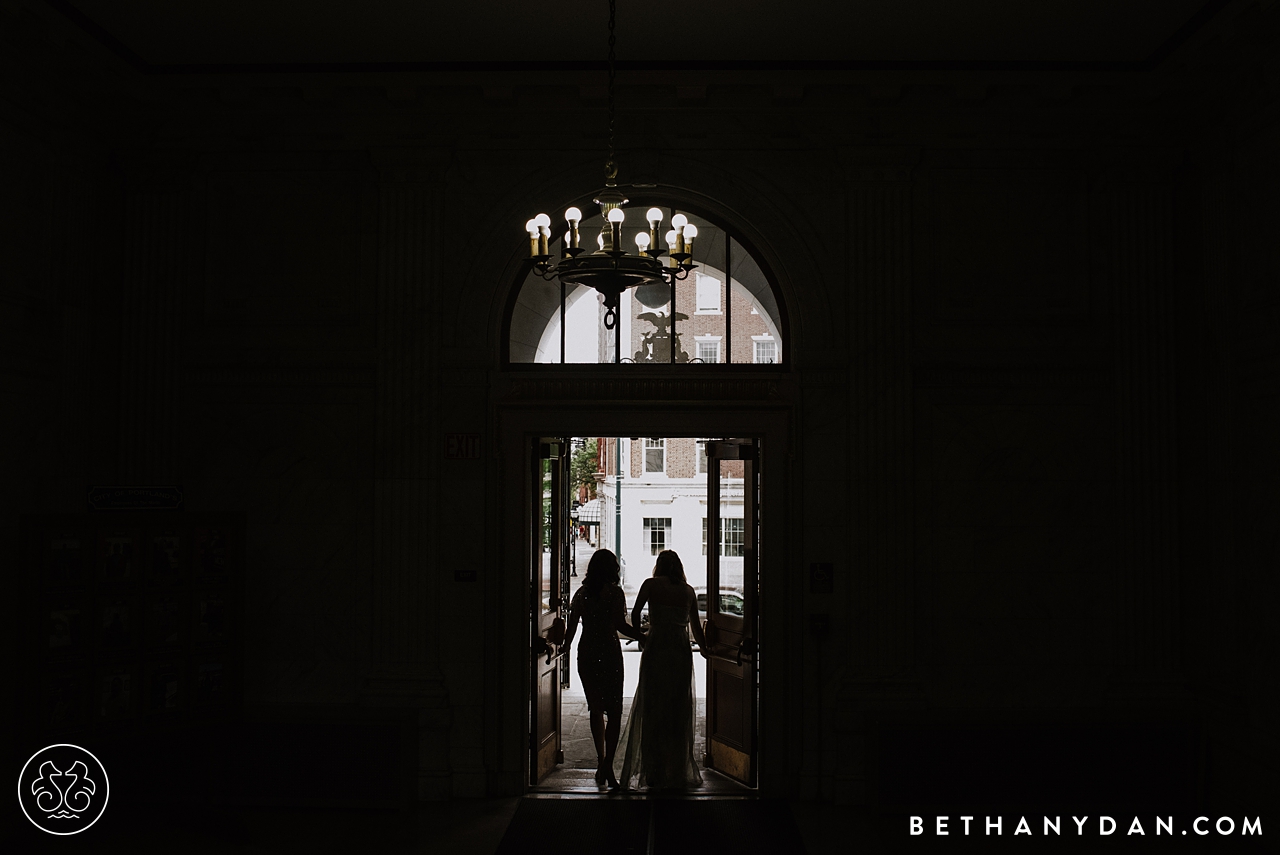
(726, 311)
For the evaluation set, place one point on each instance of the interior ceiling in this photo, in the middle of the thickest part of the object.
(178, 34)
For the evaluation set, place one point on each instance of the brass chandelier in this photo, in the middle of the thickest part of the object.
(610, 270)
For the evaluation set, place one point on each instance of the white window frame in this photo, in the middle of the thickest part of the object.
(700, 340)
(650, 446)
(650, 529)
(758, 340)
(702, 308)
(740, 531)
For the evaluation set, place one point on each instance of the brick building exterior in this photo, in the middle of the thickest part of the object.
(711, 325)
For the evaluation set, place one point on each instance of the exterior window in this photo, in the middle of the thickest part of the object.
(731, 537)
(766, 350)
(657, 533)
(708, 295)
(655, 455)
(709, 349)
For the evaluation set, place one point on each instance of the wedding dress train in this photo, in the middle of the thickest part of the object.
(659, 731)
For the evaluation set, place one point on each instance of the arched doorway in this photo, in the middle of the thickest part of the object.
(745, 390)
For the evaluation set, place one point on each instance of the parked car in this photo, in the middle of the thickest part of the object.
(730, 601)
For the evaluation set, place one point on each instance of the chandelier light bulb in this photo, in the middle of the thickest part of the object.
(616, 215)
(654, 216)
(573, 216)
(642, 240)
(690, 231)
(531, 227)
(679, 221)
(543, 221)
(671, 238)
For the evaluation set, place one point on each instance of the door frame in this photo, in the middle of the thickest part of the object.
(547, 627)
(507, 690)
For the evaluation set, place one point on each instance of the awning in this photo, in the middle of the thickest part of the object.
(589, 514)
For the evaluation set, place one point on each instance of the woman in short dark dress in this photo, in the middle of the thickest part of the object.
(602, 608)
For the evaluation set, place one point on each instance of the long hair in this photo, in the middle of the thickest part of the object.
(602, 570)
(669, 565)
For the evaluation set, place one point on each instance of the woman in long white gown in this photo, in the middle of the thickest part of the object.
(659, 730)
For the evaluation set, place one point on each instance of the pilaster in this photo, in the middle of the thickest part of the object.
(880, 568)
(1137, 274)
(881, 584)
(155, 277)
(406, 588)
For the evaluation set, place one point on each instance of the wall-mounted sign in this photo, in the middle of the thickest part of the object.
(821, 578)
(462, 446)
(135, 498)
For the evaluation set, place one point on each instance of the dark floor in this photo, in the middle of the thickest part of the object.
(582, 781)
(464, 827)
(705, 825)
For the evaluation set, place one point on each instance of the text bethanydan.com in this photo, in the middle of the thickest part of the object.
(1053, 826)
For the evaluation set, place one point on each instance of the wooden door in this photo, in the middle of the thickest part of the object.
(733, 472)
(549, 539)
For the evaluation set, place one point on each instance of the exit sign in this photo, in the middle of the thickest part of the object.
(462, 446)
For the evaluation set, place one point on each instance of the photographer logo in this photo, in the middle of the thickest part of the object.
(63, 789)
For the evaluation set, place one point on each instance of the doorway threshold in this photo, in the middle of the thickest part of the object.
(581, 783)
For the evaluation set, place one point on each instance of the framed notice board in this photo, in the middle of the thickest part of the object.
(130, 620)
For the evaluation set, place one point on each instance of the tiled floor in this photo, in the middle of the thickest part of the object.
(575, 728)
(577, 773)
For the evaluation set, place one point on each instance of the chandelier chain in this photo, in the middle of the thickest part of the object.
(610, 167)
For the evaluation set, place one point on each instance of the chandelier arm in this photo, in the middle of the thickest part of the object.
(673, 275)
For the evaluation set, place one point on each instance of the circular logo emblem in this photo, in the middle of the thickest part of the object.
(63, 789)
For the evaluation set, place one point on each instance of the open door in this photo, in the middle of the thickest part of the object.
(551, 544)
(733, 475)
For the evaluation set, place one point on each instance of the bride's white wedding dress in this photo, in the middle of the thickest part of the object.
(659, 730)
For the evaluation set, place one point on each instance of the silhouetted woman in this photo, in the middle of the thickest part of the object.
(659, 752)
(602, 608)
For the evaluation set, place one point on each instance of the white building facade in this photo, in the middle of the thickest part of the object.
(663, 489)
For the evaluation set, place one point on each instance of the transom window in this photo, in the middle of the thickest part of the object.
(714, 316)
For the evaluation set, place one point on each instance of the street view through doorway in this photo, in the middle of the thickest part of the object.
(638, 496)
